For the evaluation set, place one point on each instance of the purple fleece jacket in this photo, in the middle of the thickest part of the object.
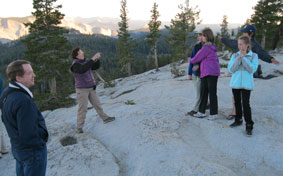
(208, 59)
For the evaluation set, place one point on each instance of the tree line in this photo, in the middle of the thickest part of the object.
(48, 46)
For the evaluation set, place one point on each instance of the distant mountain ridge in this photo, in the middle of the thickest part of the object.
(13, 28)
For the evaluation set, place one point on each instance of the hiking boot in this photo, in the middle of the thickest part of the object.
(191, 113)
(79, 130)
(236, 123)
(109, 119)
(199, 115)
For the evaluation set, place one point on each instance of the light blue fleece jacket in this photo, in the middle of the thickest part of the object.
(242, 70)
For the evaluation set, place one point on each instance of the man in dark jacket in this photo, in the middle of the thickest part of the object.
(86, 86)
(249, 30)
(23, 121)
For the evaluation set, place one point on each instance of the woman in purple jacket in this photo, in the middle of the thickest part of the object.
(210, 70)
(86, 86)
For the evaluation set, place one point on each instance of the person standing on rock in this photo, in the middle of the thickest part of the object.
(209, 73)
(86, 86)
(249, 31)
(242, 65)
(23, 121)
(194, 73)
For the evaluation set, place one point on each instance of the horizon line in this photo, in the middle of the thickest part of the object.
(118, 18)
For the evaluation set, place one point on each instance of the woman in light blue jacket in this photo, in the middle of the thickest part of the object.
(242, 65)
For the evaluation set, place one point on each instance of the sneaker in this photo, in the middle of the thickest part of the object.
(79, 130)
(236, 123)
(109, 119)
(191, 113)
(199, 115)
(212, 117)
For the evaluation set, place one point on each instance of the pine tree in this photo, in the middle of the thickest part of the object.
(47, 48)
(184, 23)
(154, 34)
(224, 29)
(125, 42)
(268, 19)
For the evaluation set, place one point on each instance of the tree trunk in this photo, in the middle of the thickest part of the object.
(52, 84)
(100, 77)
(41, 88)
(155, 57)
(275, 40)
(277, 36)
(129, 69)
(263, 39)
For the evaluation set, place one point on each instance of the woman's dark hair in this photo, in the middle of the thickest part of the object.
(15, 69)
(75, 52)
(207, 32)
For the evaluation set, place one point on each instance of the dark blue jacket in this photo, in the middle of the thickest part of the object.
(256, 48)
(23, 121)
(196, 48)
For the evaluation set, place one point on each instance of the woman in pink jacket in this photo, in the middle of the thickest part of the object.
(209, 72)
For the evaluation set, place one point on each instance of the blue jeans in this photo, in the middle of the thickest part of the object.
(31, 162)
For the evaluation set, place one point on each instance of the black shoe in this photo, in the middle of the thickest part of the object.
(109, 119)
(249, 129)
(191, 113)
(249, 132)
(236, 123)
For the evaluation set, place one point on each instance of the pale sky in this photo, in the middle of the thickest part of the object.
(212, 11)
